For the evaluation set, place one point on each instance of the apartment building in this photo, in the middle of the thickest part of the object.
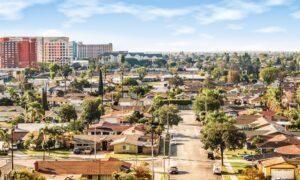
(18, 52)
(56, 50)
(87, 51)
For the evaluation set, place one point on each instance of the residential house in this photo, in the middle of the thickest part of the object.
(278, 168)
(277, 141)
(88, 169)
(7, 113)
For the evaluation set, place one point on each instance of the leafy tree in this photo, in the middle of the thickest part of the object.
(142, 72)
(209, 100)
(130, 82)
(166, 114)
(13, 95)
(92, 110)
(253, 174)
(138, 90)
(176, 81)
(66, 71)
(233, 75)
(216, 73)
(67, 112)
(272, 99)
(25, 174)
(54, 69)
(269, 74)
(221, 135)
(35, 112)
(134, 117)
(17, 120)
(5, 136)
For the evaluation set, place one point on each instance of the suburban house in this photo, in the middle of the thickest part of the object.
(106, 128)
(90, 170)
(279, 168)
(7, 113)
(118, 143)
(278, 141)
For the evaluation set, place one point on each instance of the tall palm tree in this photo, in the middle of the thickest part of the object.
(122, 73)
(4, 136)
(34, 112)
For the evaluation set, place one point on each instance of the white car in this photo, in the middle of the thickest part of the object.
(173, 141)
(217, 169)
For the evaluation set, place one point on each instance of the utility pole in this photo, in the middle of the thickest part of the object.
(95, 144)
(12, 149)
(152, 150)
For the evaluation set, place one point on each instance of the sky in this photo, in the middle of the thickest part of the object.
(160, 25)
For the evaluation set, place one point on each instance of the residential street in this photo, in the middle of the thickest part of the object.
(188, 155)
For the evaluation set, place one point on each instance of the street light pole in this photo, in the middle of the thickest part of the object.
(152, 152)
(12, 150)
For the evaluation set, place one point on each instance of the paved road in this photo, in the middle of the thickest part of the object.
(188, 155)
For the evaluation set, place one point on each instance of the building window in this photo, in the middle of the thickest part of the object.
(125, 147)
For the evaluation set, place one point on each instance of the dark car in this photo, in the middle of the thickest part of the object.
(249, 158)
(76, 151)
(173, 170)
(210, 155)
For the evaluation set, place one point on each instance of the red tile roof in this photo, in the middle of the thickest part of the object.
(289, 150)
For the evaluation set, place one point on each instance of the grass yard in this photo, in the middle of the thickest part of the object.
(127, 156)
(226, 177)
(53, 153)
(239, 166)
(238, 153)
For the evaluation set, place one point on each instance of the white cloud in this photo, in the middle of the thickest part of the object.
(206, 36)
(224, 10)
(271, 29)
(11, 9)
(236, 27)
(184, 30)
(296, 14)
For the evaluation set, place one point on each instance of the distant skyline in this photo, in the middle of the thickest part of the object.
(160, 25)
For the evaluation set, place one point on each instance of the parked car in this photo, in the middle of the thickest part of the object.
(76, 151)
(14, 147)
(88, 150)
(249, 157)
(216, 169)
(173, 141)
(210, 155)
(173, 169)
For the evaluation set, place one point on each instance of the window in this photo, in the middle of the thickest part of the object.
(125, 147)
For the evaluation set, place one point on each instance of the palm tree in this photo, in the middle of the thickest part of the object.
(34, 112)
(4, 135)
(122, 72)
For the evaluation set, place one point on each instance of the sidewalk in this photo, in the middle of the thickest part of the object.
(229, 168)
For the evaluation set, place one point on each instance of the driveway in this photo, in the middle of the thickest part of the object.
(188, 155)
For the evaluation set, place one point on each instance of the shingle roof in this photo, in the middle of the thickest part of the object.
(93, 167)
(273, 161)
(289, 150)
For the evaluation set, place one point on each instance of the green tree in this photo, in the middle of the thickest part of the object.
(130, 82)
(67, 112)
(25, 174)
(216, 73)
(13, 95)
(54, 69)
(167, 114)
(92, 110)
(269, 74)
(66, 71)
(221, 134)
(142, 72)
(44, 100)
(5, 136)
(101, 84)
(35, 112)
(209, 100)
(176, 81)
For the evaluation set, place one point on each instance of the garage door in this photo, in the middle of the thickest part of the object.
(283, 174)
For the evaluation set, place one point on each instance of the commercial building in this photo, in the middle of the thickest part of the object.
(87, 51)
(56, 50)
(18, 52)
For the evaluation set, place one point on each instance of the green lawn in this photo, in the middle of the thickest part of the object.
(238, 153)
(53, 153)
(226, 177)
(239, 166)
(127, 156)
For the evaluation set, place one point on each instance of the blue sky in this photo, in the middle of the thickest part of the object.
(160, 25)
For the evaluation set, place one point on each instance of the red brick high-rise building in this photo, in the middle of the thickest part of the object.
(18, 52)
